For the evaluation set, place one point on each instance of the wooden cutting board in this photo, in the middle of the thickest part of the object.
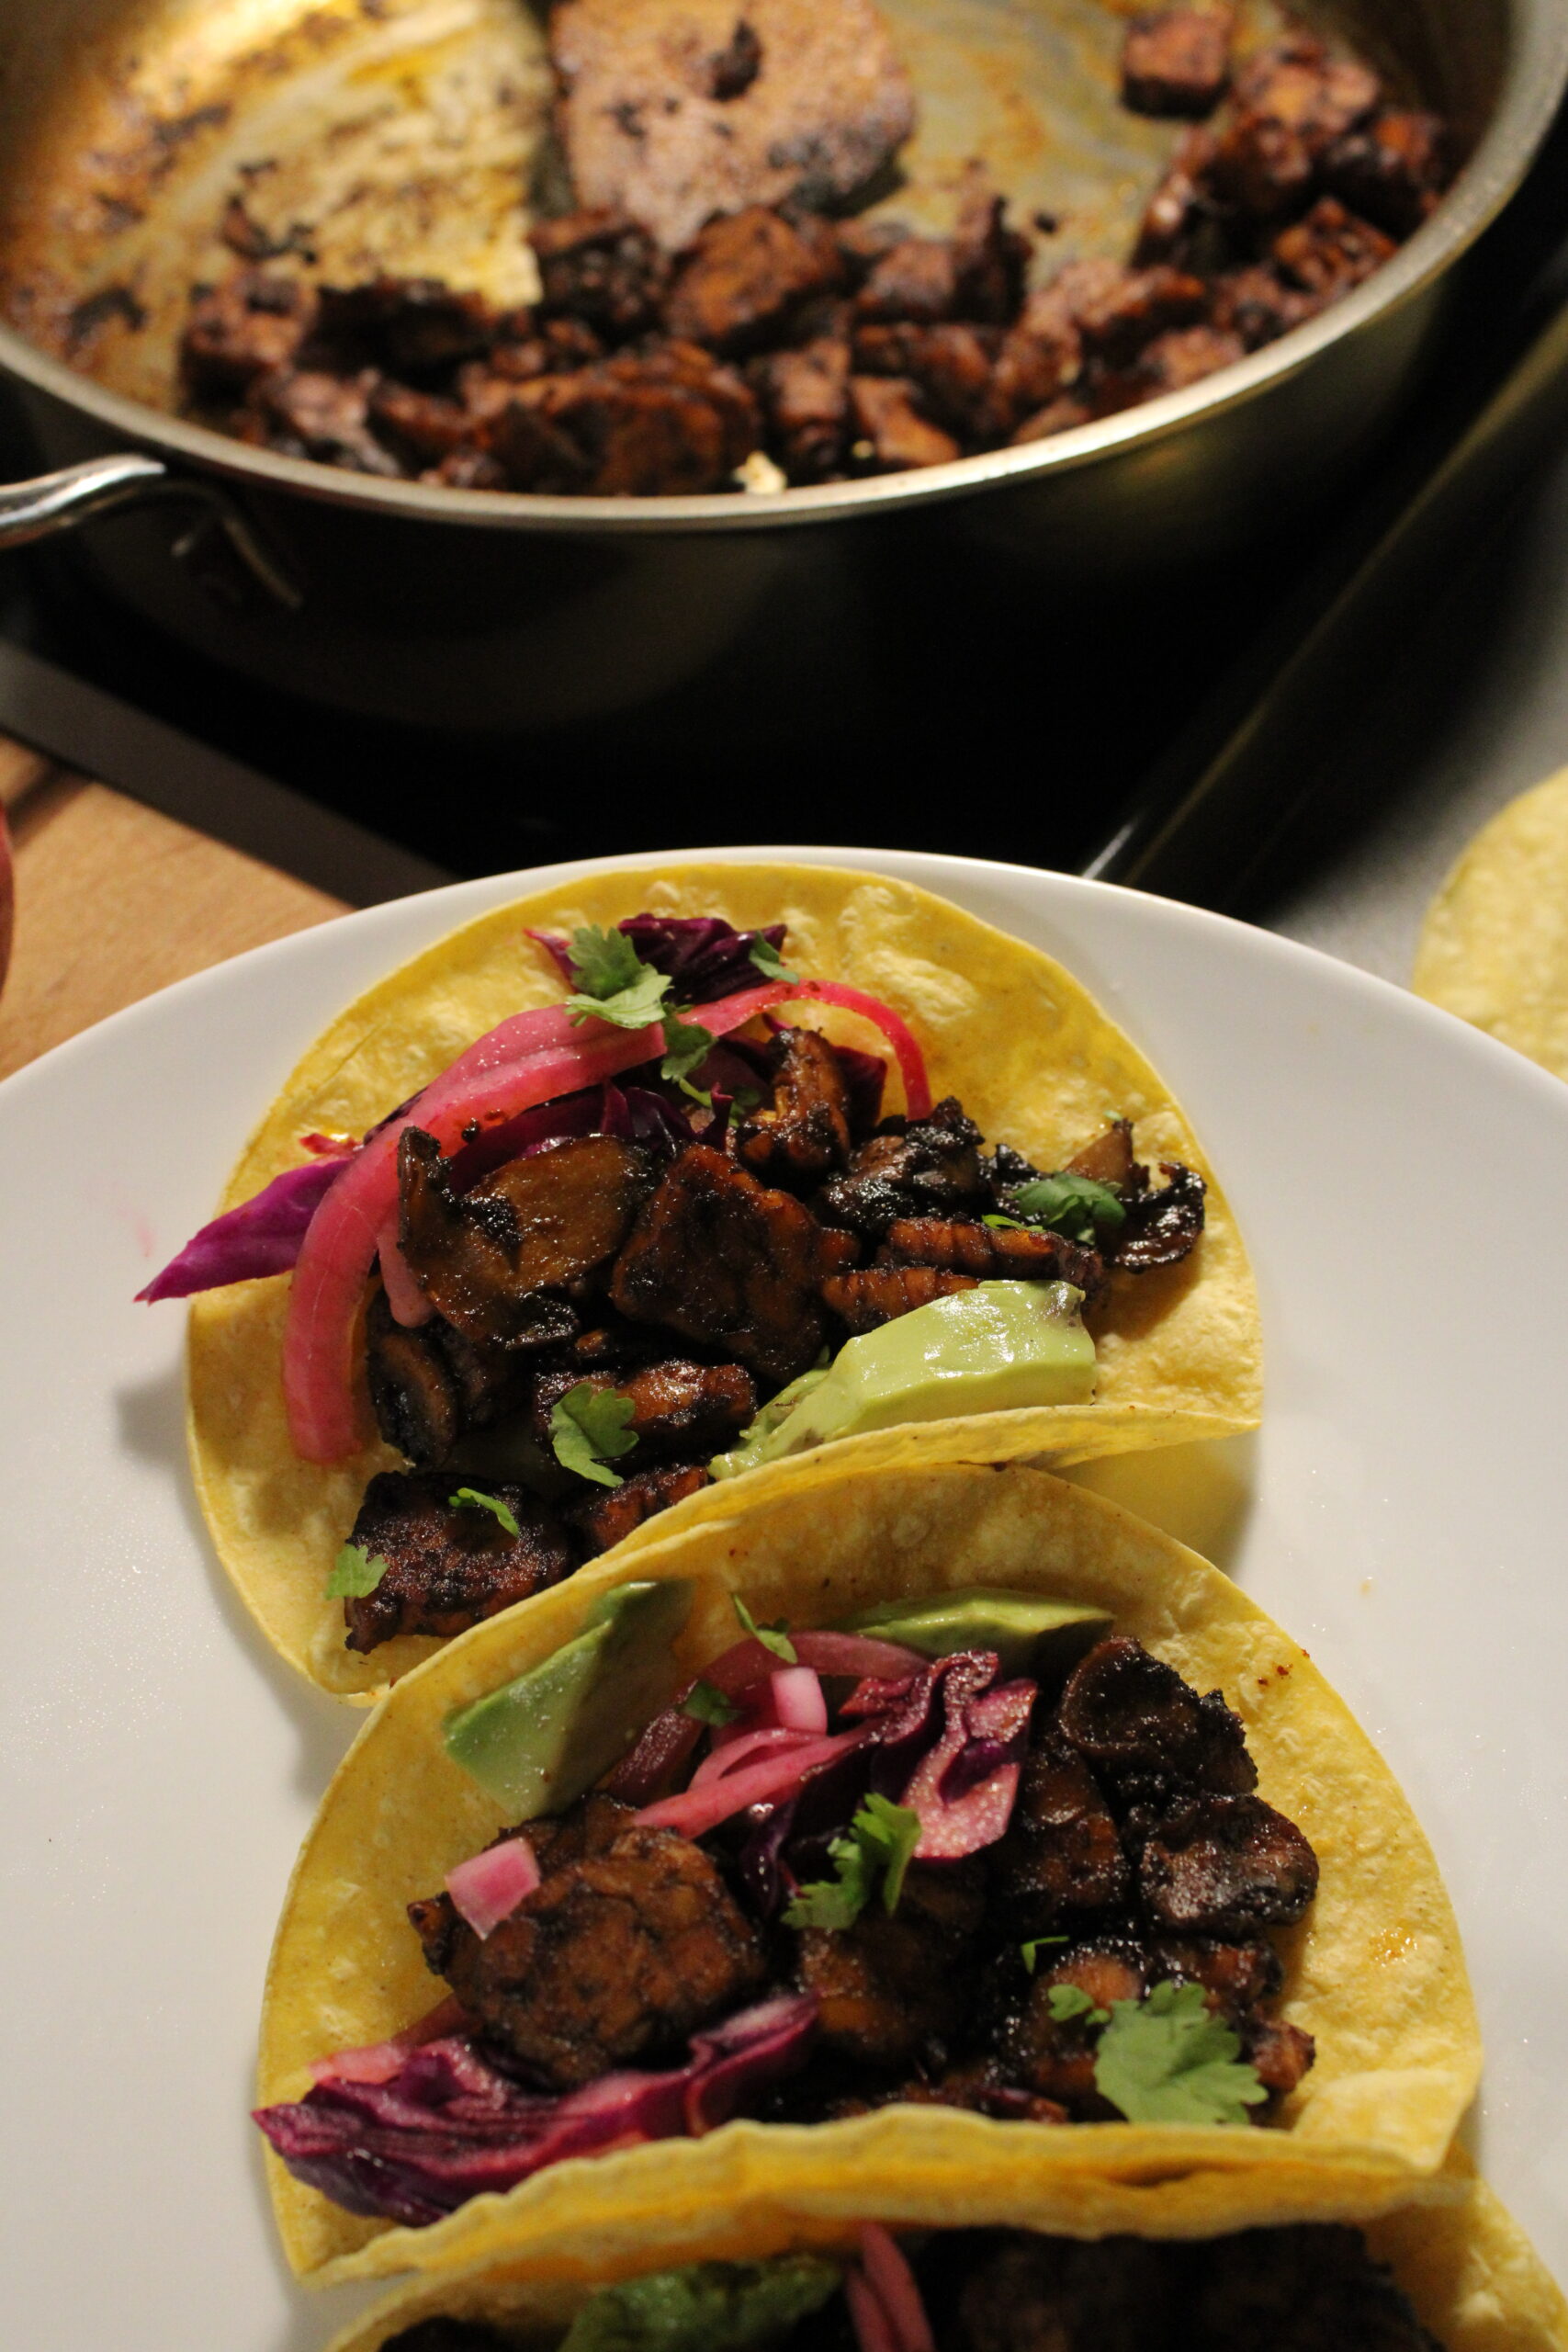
(114, 900)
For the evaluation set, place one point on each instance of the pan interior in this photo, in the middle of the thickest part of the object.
(412, 137)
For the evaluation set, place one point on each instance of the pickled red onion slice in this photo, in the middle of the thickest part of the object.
(697, 1810)
(730, 1757)
(799, 1702)
(894, 2286)
(487, 1888)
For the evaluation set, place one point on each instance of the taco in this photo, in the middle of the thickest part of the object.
(1458, 2277)
(683, 1224)
(912, 1842)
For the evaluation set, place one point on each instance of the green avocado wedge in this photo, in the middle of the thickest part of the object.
(990, 1350)
(712, 2307)
(1017, 1625)
(539, 1741)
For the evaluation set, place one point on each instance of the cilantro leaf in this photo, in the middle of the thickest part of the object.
(1005, 1224)
(774, 1637)
(354, 1573)
(686, 1043)
(588, 1428)
(604, 962)
(1168, 2059)
(766, 958)
(891, 1832)
(1068, 2001)
(707, 1705)
(1036, 1945)
(630, 1008)
(882, 1836)
(835, 1903)
(470, 1498)
(1078, 1206)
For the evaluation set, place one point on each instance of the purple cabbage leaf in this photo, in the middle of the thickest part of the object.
(450, 2125)
(260, 1237)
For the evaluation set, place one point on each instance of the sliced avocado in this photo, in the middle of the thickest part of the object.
(712, 2307)
(774, 1413)
(983, 1350)
(541, 1739)
(986, 1617)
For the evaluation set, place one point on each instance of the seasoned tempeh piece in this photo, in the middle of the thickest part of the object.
(734, 1263)
(630, 1943)
(871, 1295)
(448, 1565)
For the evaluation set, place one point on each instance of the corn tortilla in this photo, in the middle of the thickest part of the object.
(1375, 1972)
(1494, 947)
(1031, 1055)
(1475, 2280)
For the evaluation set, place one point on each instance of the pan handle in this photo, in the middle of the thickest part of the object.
(77, 495)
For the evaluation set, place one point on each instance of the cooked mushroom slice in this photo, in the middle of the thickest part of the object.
(626, 1947)
(871, 1296)
(1162, 1226)
(1227, 1866)
(887, 1987)
(611, 1513)
(1133, 1717)
(1235, 1978)
(1054, 2056)
(429, 1384)
(1038, 2294)
(535, 1224)
(1109, 1157)
(448, 1565)
(732, 1263)
(910, 1169)
(1061, 1854)
(807, 1132)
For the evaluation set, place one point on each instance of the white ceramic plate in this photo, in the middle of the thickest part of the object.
(1399, 1180)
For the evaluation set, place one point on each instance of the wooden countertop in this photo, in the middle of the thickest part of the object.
(115, 900)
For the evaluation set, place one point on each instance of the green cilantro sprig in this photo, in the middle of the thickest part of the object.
(774, 1637)
(1076, 1206)
(470, 1498)
(686, 1045)
(612, 982)
(588, 1428)
(707, 1703)
(1031, 1951)
(1068, 2002)
(355, 1573)
(766, 958)
(882, 1837)
(1168, 2059)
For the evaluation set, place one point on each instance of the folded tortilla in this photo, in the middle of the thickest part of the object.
(1030, 1054)
(1477, 2283)
(1374, 1972)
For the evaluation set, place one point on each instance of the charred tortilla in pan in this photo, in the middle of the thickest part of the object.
(1032, 1060)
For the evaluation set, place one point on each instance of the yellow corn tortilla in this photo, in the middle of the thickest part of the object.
(1374, 1972)
(1031, 1055)
(1494, 944)
(1475, 2280)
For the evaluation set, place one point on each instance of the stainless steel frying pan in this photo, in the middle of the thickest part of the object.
(411, 134)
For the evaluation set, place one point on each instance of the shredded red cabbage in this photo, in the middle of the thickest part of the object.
(449, 2125)
(260, 1237)
(706, 956)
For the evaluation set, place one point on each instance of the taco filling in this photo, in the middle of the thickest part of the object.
(1311, 2287)
(653, 1237)
(982, 1851)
